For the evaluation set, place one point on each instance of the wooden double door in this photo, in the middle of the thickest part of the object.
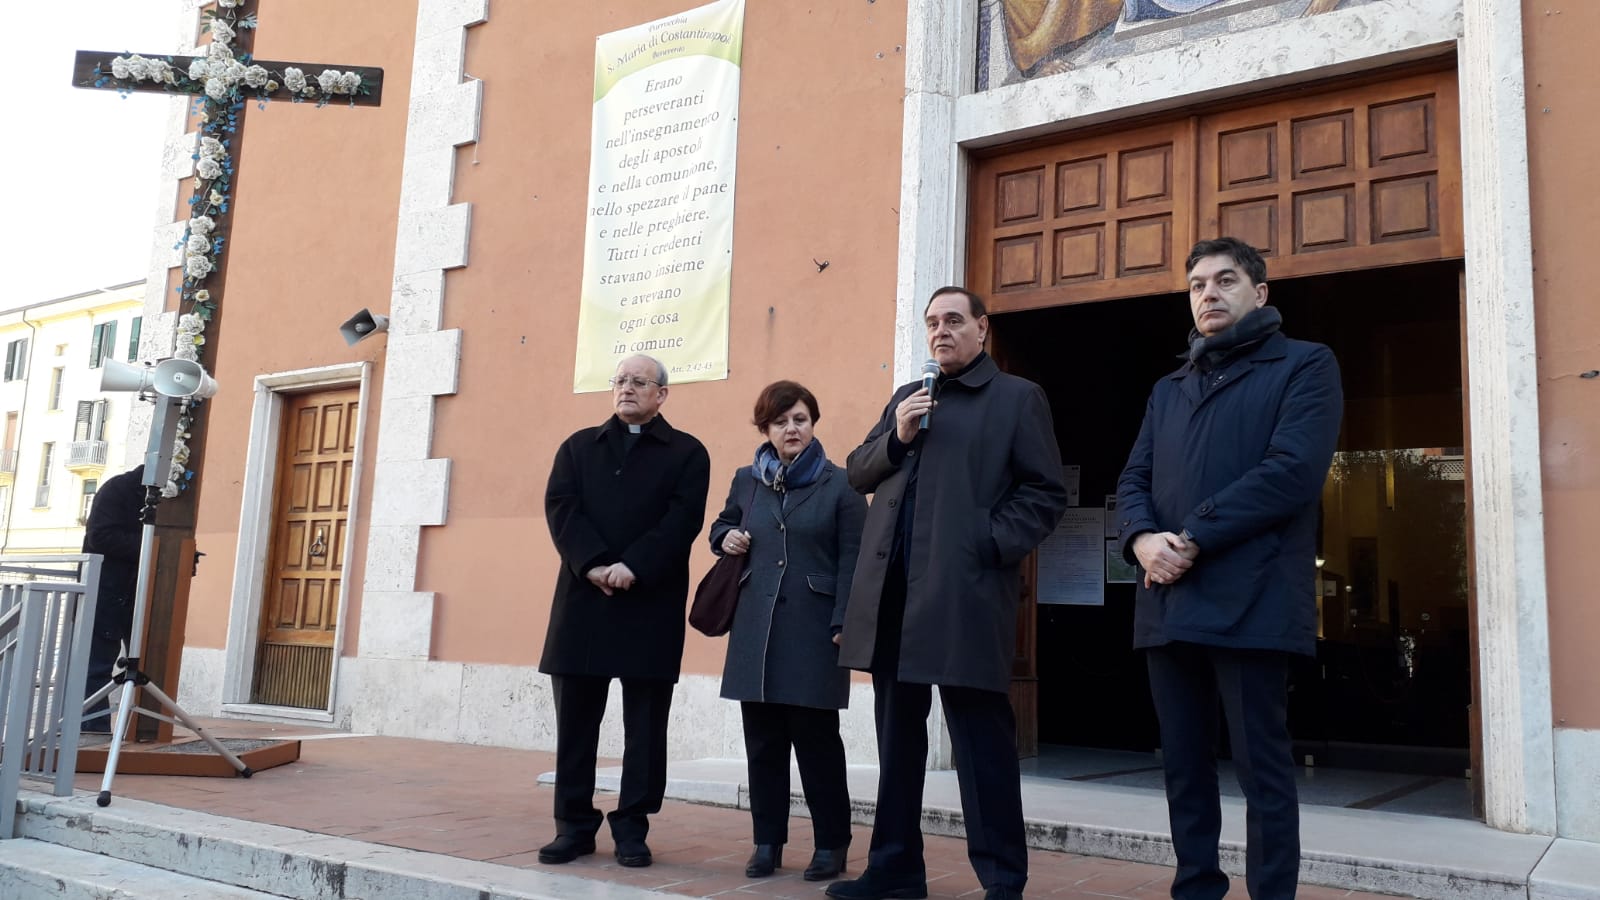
(1359, 175)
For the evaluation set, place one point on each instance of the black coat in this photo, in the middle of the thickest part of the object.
(115, 532)
(1241, 467)
(643, 508)
(795, 591)
(989, 490)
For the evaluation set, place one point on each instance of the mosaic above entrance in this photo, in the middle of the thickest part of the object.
(1023, 39)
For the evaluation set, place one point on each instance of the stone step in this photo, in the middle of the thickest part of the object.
(286, 862)
(33, 870)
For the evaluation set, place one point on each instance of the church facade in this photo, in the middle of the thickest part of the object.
(377, 557)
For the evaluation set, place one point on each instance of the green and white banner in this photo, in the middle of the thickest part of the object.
(658, 249)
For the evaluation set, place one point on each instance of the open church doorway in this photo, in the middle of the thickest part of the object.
(1381, 715)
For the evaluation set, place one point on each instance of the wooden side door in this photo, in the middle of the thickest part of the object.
(311, 504)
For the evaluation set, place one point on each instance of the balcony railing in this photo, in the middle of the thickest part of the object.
(8, 463)
(86, 455)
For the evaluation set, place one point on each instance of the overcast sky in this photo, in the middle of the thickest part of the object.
(79, 169)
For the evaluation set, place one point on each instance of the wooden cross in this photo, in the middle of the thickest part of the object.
(223, 79)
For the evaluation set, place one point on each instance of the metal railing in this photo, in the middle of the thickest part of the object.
(46, 625)
(8, 460)
(86, 453)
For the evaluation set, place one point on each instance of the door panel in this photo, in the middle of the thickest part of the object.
(1356, 178)
(1099, 216)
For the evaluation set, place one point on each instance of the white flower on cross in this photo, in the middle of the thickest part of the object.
(138, 68)
(294, 79)
(211, 148)
(217, 88)
(350, 83)
(221, 32)
(256, 76)
(199, 243)
(202, 225)
(208, 168)
(196, 265)
(331, 80)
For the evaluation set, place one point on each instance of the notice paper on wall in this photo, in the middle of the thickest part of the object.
(1072, 565)
(1070, 475)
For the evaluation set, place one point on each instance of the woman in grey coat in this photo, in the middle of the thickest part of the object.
(796, 516)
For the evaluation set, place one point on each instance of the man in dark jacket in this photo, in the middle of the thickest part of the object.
(624, 504)
(957, 505)
(1219, 505)
(113, 531)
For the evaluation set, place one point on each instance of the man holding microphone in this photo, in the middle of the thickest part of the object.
(966, 481)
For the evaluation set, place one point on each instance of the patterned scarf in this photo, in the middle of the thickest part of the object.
(781, 476)
(1216, 351)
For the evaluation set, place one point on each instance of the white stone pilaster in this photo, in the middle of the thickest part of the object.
(1503, 397)
(411, 490)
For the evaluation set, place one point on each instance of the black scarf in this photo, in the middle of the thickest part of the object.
(1216, 351)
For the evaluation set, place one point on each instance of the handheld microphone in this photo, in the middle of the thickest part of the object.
(930, 372)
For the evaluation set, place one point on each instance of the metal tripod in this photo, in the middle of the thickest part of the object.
(158, 461)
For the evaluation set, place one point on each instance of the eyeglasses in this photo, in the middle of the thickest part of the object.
(638, 383)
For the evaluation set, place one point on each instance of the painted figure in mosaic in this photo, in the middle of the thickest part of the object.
(966, 481)
(1219, 505)
(1039, 30)
(625, 502)
(794, 515)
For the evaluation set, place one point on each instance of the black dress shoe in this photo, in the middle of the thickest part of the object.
(565, 848)
(1002, 893)
(765, 859)
(873, 886)
(634, 854)
(825, 864)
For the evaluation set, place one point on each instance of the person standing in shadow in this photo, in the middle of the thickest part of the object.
(114, 531)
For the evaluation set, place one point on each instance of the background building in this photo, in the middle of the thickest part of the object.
(63, 435)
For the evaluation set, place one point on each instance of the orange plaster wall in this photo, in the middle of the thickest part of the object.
(1564, 170)
(312, 242)
(818, 178)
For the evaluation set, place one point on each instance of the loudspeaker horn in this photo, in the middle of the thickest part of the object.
(362, 325)
(183, 378)
(121, 376)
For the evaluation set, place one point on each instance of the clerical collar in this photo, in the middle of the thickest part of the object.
(633, 429)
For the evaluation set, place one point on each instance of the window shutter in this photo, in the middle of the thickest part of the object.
(97, 427)
(94, 346)
(133, 337)
(108, 347)
(11, 360)
(81, 429)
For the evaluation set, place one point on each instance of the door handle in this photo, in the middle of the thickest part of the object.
(319, 547)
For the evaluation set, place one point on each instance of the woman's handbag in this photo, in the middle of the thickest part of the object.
(717, 595)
